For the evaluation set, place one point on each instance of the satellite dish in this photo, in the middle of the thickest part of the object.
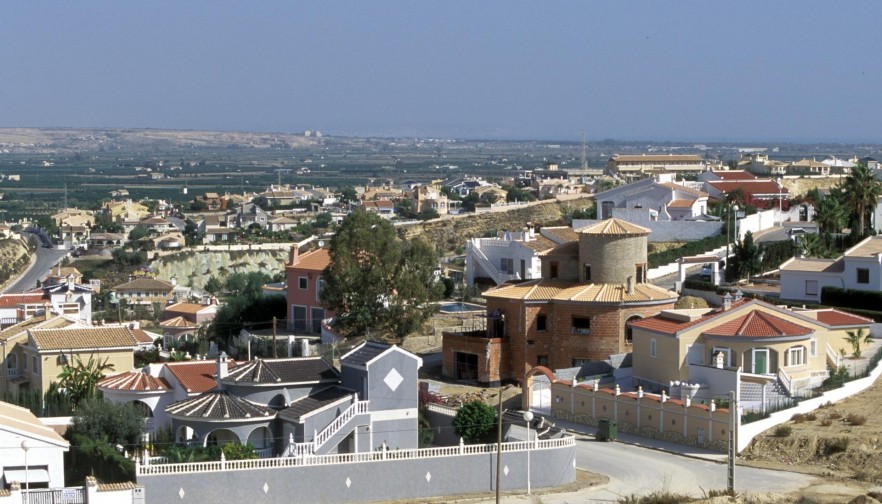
(321, 243)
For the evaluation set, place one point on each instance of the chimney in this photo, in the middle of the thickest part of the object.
(70, 283)
(222, 369)
(727, 302)
(738, 295)
(174, 280)
(630, 285)
(293, 254)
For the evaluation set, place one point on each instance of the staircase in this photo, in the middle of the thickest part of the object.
(492, 271)
(752, 394)
(343, 424)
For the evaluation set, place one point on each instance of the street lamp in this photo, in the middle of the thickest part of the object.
(528, 416)
(26, 445)
(780, 188)
(732, 208)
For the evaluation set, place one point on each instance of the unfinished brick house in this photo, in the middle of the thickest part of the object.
(575, 313)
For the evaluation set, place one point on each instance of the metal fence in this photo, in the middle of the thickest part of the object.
(74, 495)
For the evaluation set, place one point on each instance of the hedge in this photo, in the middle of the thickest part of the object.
(691, 248)
(851, 298)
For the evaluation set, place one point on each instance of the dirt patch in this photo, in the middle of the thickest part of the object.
(841, 441)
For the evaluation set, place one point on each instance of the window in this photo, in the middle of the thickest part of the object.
(319, 287)
(36, 364)
(316, 315)
(811, 287)
(579, 362)
(863, 276)
(796, 356)
(541, 322)
(652, 348)
(506, 265)
(629, 331)
(587, 273)
(303, 283)
(813, 344)
(606, 209)
(581, 325)
(553, 269)
(542, 360)
(641, 272)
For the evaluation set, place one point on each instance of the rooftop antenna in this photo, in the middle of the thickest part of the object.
(584, 160)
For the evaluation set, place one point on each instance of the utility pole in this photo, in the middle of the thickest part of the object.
(733, 440)
(499, 446)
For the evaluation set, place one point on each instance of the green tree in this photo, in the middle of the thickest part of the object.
(375, 280)
(119, 423)
(79, 379)
(138, 233)
(855, 339)
(404, 208)
(323, 220)
(862, 191)
(474, 421)
(746, 259)
(830, 216)
(213, 286)
(348, 195)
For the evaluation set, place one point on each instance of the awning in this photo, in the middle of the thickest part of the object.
(32, 475)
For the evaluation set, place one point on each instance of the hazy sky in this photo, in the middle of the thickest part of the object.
(697, 71)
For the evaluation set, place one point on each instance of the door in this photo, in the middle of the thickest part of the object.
(761, 361)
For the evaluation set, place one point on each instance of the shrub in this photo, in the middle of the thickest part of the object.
(783, 430)
(838, 445)
(835, 415)
(827, 422)
(474, 421)
(810, 417)
(855, 419)
(798, 418)
(657, 498)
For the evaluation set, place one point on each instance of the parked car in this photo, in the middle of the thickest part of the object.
(706, 273)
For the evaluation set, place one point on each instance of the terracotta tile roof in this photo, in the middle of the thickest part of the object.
(681, 203)
(814, 265)
(134, 381)
(13, 300)
(177, 322)
(115, 487)
(196, 377)
(291, 370)
(749, 187)
(615, 227)
(186, 307)
(539, 244)
(757, 324)
(82, 338)
(569, 249)
(661, 323)
(144, 284)
(560, 234)
(219, 405)
(560, 290)
(141, 336)
(33, 323)
(316, 260)
(839, 318)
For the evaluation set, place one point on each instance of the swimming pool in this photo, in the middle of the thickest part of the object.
(459, 307)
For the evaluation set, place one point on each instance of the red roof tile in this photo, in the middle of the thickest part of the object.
(13, 300)
(757, 324)
(134, 380)
(316, 260)
(734, 175)
(196, 377)
(749, 186)
(838, 318)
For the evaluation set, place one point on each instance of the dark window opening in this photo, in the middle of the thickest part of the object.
(553, 267)
(581, 325)
(863, 276)
(541, 322)
(587, 273)
(542, 360)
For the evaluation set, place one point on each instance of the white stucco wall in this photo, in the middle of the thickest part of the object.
(793, 284)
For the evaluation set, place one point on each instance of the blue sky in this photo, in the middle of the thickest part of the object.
(694, 71)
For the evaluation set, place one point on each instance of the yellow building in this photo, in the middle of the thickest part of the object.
(17, 376)
(143, 291)
(120, 211)
(48, 350)
(771, 345)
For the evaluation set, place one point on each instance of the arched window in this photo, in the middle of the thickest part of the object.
(629, 332)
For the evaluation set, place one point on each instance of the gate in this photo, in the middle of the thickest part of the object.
(54, 496)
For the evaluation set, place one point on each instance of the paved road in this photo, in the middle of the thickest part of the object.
(46, 258)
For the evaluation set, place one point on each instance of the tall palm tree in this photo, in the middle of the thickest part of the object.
(862, 191)
(830, 216)
(855, 338)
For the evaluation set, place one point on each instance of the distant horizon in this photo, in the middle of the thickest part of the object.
(744, 143)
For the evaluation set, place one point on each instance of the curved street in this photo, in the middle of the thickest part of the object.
(46, 259)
